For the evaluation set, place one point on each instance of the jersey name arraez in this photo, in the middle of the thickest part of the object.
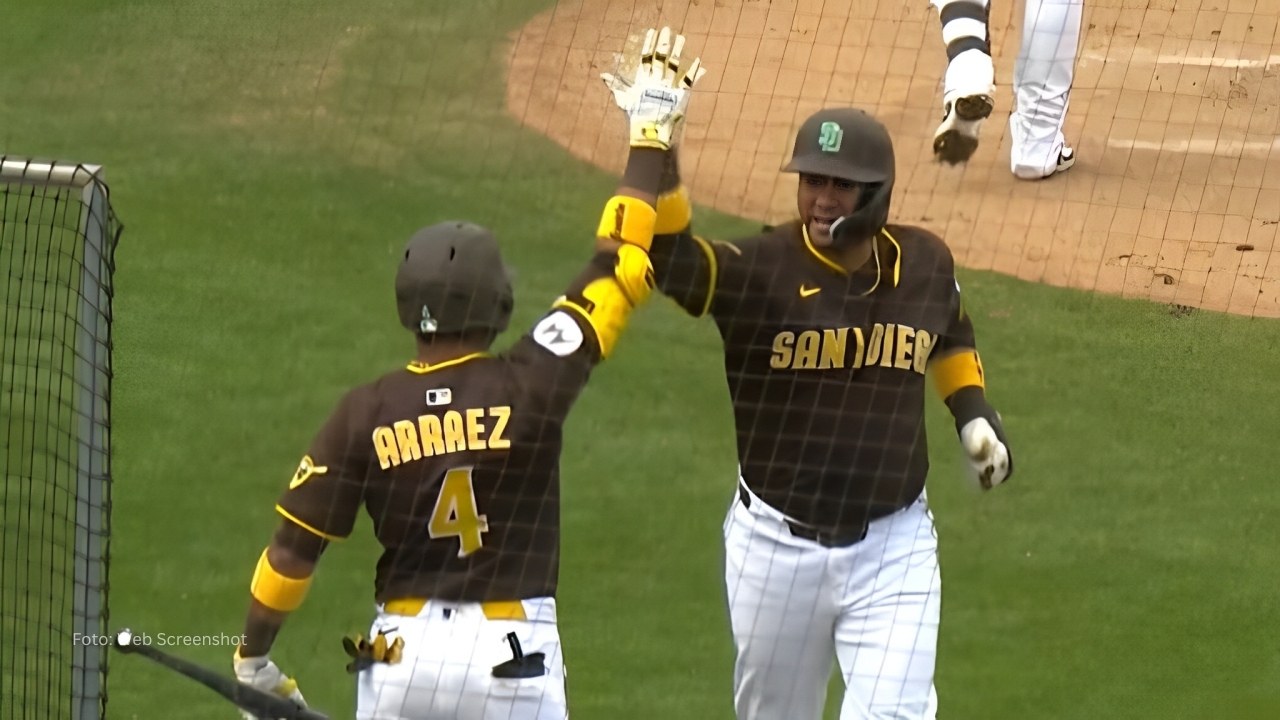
(431, 434)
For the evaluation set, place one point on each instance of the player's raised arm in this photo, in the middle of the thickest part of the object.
(961, 383)
(685, 266)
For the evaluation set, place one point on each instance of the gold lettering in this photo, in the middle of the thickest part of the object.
(924, 346)
(782, 350)
(384, 442)
(903, 345)
(407, 438)
(833, 342)
(454, 438)
(431, 435)
(502, 414)
(474, 429)
(874, 344)
(807, 350)
(886, 354)
(860, 347)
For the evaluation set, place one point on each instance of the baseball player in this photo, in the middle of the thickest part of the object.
(1042, 87)
(969, 82)
(829, 325)
(456, 459)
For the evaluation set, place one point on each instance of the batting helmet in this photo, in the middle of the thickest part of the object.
(452, 280)
(849, 144)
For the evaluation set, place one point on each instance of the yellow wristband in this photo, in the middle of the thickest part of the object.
(674, 212)
(276, 591)
(629, 220)
(963, 369)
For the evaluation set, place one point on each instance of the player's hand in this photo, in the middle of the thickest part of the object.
(265, 675)
(651, 83)
(988, 456)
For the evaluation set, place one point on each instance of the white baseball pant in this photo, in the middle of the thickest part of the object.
(1042, 85)
(446, 670)
(794, 604)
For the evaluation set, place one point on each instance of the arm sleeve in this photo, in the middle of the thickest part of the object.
(326, 490)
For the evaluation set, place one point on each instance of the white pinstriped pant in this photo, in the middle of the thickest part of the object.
(446, 672)
(794, 605)
(1042, 84)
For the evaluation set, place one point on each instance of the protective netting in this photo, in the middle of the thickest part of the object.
(56, 243)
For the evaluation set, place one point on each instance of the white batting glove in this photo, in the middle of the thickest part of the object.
(265, 675)
(988, 457)
(652, 87)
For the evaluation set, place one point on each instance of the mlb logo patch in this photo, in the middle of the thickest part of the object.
(439, 396)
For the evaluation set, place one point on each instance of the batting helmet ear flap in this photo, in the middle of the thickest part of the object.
(871, 215)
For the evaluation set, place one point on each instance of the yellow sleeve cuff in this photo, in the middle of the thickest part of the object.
(674, 212)
(960, 370)
(628, 220)
(276, 591)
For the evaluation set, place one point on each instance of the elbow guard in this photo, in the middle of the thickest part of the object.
(276, 591)
(606, 302)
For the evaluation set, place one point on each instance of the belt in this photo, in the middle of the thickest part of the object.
(810, 533)
(493, 609)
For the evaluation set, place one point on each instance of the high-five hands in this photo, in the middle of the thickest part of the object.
(651, 83)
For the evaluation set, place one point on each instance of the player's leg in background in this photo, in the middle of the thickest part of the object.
(782, 614)
(1042, 88)
(887, 634)
(969, 82)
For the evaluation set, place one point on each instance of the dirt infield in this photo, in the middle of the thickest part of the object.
(1175, 197)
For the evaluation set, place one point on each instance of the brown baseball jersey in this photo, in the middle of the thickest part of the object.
(457, 465)
(826, 369)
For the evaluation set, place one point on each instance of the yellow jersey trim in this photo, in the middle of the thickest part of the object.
(804, 230)
(897, 258)
(714, 273)
(422, 368)
(289, 516)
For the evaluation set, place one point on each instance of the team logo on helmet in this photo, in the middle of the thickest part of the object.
(830, 136)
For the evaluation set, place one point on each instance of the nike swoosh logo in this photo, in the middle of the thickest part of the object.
(807, 291)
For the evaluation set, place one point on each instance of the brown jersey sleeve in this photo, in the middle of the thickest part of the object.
(326, 491)
(959, 334)
(556, 357)
(696, 272)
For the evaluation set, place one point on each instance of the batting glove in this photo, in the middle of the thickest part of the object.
(989, 457)
(652, 87)
(263, 674)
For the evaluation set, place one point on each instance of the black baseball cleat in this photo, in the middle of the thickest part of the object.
(957, 137)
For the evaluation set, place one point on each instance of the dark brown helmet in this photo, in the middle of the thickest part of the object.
(452, 280)
(849, 144)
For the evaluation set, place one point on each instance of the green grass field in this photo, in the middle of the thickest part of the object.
(269, 159)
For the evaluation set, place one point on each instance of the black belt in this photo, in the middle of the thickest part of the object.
(808, 532)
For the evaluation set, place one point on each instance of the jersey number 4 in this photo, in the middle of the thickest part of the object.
(456, 514)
